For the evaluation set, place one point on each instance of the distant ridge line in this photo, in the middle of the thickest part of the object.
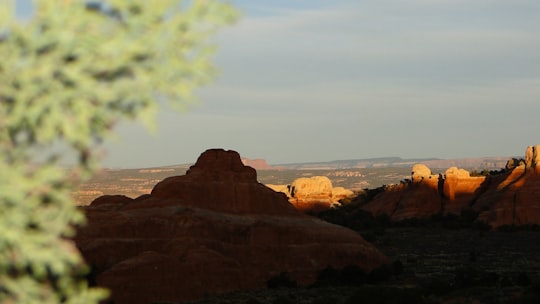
(389, 158)
(490, 162)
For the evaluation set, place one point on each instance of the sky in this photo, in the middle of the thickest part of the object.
(310, 81)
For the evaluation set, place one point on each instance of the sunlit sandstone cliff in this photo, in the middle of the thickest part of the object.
(213, 230)
(313, 194)
(511, 197)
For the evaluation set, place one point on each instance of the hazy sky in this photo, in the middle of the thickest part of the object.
(307, 80)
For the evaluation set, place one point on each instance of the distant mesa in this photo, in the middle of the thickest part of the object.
(509, 197)
(210, 231)
(259, 164)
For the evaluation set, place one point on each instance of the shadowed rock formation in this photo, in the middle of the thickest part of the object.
(213, 230)
(460, 190)
(511, 197)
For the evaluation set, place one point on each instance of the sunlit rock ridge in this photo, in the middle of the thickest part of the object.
(508, 197)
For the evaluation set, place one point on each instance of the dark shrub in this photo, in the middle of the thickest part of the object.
(351, 216)
(326, 300)
(523, 279)
(383, 220)
(386, 295)
(328, 277)
(349, 276)
(506, 282)
(252, 301)
(283, 300)
(528, 298)
(535, 286)
(370, 236)
(466, 277)
(397, 267)
(507, 228)
(353, 275)
(437, 286)
(468, 215)
(380, 274)
(479, 225)
(281, 281)
(413, 222)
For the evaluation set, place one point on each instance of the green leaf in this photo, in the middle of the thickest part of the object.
(67, 76)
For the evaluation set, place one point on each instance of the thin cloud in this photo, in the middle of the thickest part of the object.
(413, 78)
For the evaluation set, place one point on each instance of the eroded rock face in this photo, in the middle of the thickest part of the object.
(532, 158)
(507, 198)
(512, 198)
(460, 189)
(213, 230)
(339, 193)
(313, 194)
(220, 182)
(420, 172)
(419, 200)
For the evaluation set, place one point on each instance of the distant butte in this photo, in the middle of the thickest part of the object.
(260, 164)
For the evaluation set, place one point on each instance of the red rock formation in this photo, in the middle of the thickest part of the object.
(219, 182)
(532, 158)
(512, 198)
(213, 230)
(509, 198)
(311, 193)
(314, 194)
(340, 193)
(460, 189)
(428, 195)
(419, 199)
(420, 172)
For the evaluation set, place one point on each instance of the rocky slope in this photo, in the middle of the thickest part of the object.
(213, 230)
(511, 197)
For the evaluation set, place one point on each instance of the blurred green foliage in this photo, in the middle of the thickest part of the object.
(67, 76)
